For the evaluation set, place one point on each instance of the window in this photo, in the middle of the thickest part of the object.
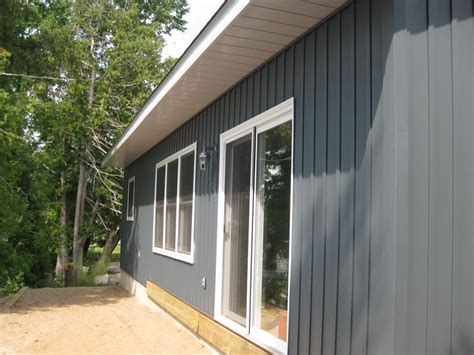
(131, 199)
(174, 205)
(254, 228)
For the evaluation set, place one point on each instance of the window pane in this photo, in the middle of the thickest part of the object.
(131, 197)
(171, 192)
(160, 204)
(236, 228)
(272, 230)
(186, 203)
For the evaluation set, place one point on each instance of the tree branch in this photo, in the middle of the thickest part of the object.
(35, 77)
(13, 135)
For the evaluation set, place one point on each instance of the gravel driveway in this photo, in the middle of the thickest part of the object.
(91, 320)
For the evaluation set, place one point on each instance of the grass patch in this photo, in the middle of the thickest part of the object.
(99, 269)
(85, 279)
(95, 252)
(96, 267)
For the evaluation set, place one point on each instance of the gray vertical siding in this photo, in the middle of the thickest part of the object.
(383, 228)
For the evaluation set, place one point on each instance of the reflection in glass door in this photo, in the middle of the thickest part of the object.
(238, 168)
(272, 231)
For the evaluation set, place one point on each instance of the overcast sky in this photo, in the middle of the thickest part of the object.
(200, 11)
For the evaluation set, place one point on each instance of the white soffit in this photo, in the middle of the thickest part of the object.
(240, 37)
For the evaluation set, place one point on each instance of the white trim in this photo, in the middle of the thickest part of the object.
(281, 109)
(250, 230)
(189, 258)
(277, 115)
(266, 337)
(130, 218)
(223, 143)
(290, 252)
(176, 228)
(222, 20)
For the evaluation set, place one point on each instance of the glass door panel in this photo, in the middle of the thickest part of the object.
(272, 230)
(238, 166)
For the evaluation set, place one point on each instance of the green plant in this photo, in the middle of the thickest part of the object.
(99, 269)
(276, 289)
(115, 257)
(12, 285)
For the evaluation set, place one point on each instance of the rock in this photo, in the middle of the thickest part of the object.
(101, 280)
(114, 279)
(113, 269)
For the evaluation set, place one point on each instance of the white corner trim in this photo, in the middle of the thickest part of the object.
(222, 20)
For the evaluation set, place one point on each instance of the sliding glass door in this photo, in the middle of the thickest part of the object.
(236, 228)
(254, 244)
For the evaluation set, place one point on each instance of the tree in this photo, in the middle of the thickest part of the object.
(27, 218)
(85, 68)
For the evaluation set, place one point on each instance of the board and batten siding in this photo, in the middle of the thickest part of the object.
(383, 228)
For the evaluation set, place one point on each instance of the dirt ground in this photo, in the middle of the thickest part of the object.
(102, 320)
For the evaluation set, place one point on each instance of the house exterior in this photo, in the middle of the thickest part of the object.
(304, 176)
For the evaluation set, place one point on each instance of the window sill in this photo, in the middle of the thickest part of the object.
(130, 219)
(174, 255)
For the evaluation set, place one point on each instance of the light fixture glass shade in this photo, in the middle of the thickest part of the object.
(203, 160)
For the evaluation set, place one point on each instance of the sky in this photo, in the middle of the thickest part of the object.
(200, 11)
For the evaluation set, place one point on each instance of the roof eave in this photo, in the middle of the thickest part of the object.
(218, 23)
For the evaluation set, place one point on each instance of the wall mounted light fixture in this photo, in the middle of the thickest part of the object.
(204, 156)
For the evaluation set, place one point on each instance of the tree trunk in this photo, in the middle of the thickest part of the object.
(87, 244)
(59, 269)
(78, 242)
(63, 256)
(88, 240)
(110, 244)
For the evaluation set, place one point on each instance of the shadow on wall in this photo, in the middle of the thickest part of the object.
(359, 261)
(463, 344)
(131, 243)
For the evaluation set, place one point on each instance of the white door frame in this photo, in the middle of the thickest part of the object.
(277, 115)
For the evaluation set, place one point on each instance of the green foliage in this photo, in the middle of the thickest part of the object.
(275, 288)
(85, 280)
(81, 71)
(13, 284)
(94, 254)
(275, 185)
(25, 253)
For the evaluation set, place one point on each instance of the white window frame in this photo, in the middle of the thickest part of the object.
(188, 258)
(130, 218)
(273, 117)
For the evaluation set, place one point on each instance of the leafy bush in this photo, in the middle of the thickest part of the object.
(12, 285)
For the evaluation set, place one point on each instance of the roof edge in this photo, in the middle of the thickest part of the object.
(229, 10)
